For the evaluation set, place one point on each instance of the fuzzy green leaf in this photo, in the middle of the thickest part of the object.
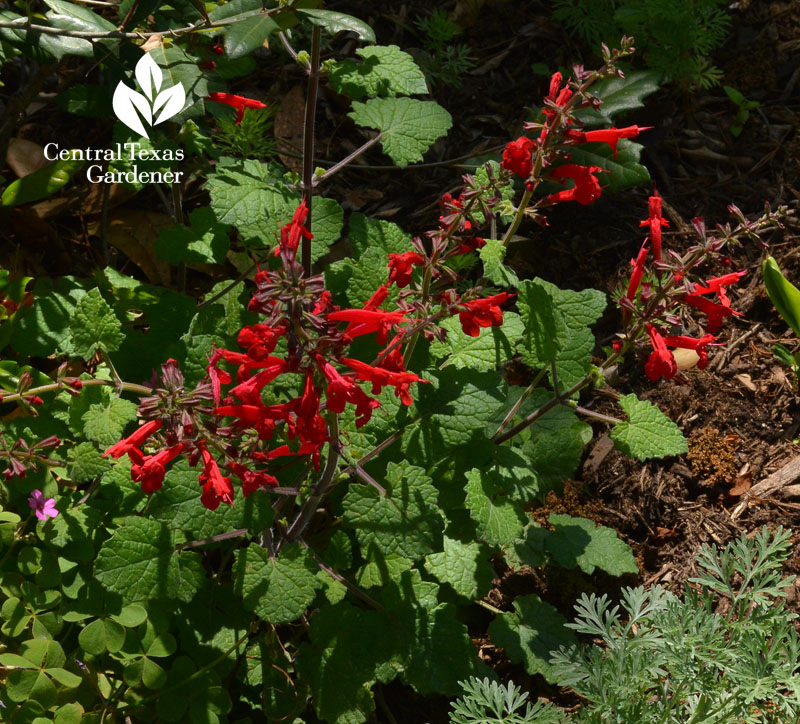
(464, 566)
(499, 520)
(327, 218)
(409, 126)
(580, 542)
(178, 505)
(492, 256)
(104, 423)
(556, 443)
(648, 432)
(250, 195)
(277, 590)
(569, 314)
(205, 241)
(86, 462)
(530, 633)
(493, 346)
(406, 522)
(341, 662)
(139, 562)
(366, 233)
(385, 71)
(94, 326)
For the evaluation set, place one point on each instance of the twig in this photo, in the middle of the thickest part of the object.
(214, 539)
(308, 140)
(303, 518)
(355, 590)
(25, 24)
(347, 159)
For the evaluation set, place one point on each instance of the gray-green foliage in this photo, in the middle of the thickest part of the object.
(725, 651)
(487, 702)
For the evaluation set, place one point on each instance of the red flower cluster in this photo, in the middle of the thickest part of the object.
(586, 189)
(482, 313)
(517, 156)
(715, 312)
(661, 362)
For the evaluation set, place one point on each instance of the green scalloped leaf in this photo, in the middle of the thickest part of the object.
(139, 562)
(530, 633)
(104, 422)
(578, 542)
(385, 71)
(277, 590)
(648, 432)
(487, 351)
(204, 241)
(465, 566)
(94, 326)
(406, 522)
(409, 126)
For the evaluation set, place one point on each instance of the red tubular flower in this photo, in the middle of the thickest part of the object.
(717, 286)
(401, 265)
(483, 313)
(216, 487)
(380, 378)
(310, 425)
(637, 273)
(368, 321)
(217, 376)
(655, 222)
(661, 362)
(251, 479)
(610, 136)
(472, 244)
(517, 156)
(587, 187)
(306, 448)
(133, 441)
(150, 470)
(237, 102)
(698, 345)
(557, 94)
(342, 390)
(249, 391)
(260, 339)
(292, 232)
(715, 312)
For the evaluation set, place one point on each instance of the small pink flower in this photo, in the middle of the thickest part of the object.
(42, 507)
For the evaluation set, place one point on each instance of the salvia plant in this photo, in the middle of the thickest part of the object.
(724, 651)
(277, 498)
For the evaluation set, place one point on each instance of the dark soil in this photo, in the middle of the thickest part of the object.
(741, 414)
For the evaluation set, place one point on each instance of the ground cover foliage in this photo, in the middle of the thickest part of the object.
(206, 516)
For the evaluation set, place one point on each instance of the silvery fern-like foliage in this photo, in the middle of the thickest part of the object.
(724, 652)
(487, 702)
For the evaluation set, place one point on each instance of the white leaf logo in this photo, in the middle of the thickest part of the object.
(132, 107)
(148, 75)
